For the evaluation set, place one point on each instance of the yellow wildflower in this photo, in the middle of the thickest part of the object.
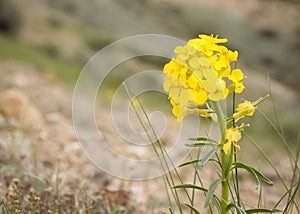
(233, 136)
(244, 109)
(237, 77)
(196, 74)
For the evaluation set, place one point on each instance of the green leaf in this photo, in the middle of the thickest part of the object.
(189, 186)
(192, 208)
(208, 156)
(205, 139)
(256, 174)
(171, 211)
(201, 144)
(188, 163)
(262, 211)
(211, 191)
(3, 208)
(263, 178)
(250, 170)
(192, 186)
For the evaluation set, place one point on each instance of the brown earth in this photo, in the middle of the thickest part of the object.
(45, 145)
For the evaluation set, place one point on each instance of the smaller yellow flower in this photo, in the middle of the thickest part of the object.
(244, 109)
(237, 77)
(233, 136)
(232, 56)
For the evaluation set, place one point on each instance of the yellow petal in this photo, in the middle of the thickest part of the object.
(167, 85)
(194, 63)
(226, 146)
(237, 146)
(232, 56)
(180, 49)
(174, 93)
(239, 87)
(244, 109)
(216, 96)
(210, 86)
(199, 97)
(176, 111)
(182, 79)
(233, 134)
(184, 97)
(221, 63)
(192, 83)
(236, 75)
(210, 74)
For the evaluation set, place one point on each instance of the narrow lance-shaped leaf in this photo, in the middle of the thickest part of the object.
(171, 211)
(203, 139)
(208, 156)
(193, 208)
(189, 186)
(262, 177)
(201, 144)
(188, 163)
(253, 172)
(260, 210)
(211, 191)
(192, 186)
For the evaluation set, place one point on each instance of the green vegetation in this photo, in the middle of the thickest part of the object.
(12, 49)
(97, 41)
(54, 22)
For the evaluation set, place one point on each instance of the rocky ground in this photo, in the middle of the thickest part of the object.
(37, 139)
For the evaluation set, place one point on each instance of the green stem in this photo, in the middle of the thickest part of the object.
(225, 159)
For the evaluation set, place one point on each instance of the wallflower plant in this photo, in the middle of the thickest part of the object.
(201, 74)
(204, 73)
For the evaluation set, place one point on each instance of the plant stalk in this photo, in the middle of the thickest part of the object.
(225, 159)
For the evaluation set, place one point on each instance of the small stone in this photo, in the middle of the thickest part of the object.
(16, 106)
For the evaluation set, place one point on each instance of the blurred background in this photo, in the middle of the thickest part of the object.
(44, 44)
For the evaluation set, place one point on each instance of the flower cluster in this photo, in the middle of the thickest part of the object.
(233, 135)
(198, 73)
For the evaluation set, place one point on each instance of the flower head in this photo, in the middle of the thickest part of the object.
(198, 73)
(244, 109)
(233, 136)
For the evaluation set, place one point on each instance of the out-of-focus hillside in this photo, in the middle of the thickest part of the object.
(61, 36)
(266, 33)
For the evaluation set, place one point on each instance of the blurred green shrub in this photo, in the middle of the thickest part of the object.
(54, 22)
(51, 50)
(68, 6)
(10, 17)
(96, 41)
